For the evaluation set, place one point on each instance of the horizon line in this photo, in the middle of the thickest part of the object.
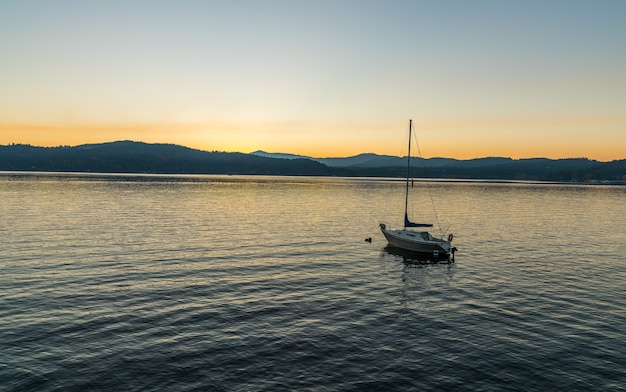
(299, 155)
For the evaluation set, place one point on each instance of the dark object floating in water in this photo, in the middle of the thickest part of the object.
(368, 239)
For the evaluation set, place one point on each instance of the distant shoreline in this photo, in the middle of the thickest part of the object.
(4, 173)
(144, 158)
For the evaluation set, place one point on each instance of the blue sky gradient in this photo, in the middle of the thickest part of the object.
(324, 78)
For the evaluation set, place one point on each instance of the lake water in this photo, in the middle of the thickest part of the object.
(218, 283)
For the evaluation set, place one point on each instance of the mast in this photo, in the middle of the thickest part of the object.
(408, 174)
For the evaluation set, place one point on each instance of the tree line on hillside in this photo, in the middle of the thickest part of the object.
(136, 157)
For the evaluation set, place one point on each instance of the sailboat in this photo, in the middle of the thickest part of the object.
(413, 237)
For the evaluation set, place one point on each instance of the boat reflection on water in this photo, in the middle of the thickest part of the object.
(409, 257)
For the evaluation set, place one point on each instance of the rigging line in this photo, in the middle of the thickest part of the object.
(406, 141)
(430, 194)
(403, 148)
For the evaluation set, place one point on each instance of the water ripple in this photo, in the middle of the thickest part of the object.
(237, 284)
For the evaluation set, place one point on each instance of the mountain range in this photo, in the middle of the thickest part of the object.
(138, 157)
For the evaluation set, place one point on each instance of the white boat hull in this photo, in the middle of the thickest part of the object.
(413, 240)
(417, 241)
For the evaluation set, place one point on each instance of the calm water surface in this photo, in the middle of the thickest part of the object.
(198, 283)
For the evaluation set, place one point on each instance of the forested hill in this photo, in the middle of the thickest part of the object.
(137, 157)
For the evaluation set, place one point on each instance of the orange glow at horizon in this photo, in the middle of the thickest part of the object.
(215, 76)
(450, 138)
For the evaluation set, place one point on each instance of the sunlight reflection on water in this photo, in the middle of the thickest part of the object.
(244, 283)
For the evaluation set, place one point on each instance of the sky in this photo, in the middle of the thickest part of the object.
(479, 78)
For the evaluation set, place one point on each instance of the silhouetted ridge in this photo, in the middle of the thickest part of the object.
(137, 157)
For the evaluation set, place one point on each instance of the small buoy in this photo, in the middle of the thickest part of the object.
(368, 239)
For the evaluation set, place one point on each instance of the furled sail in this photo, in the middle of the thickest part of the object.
(408, 223)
